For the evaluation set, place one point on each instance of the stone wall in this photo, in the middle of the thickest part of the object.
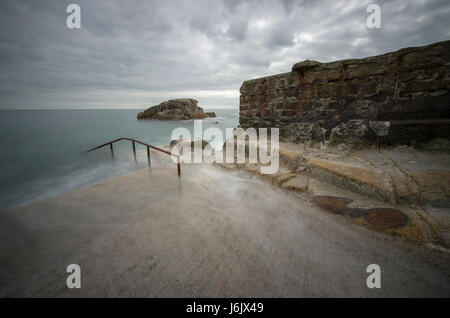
(342, 98)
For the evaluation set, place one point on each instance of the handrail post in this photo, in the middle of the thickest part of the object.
(134, 151)
(111, 147)
(148, 157)
(179, 166)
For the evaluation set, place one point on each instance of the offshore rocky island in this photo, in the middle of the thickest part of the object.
(176, 109)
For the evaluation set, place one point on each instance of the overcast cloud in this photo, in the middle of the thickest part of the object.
(133, 54)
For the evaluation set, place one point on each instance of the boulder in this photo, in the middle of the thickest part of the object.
(211, 114)
(350, 132)
(317, 133)
(380, 128)
(175, 109)
(296, 132)
(302, 132)
(305, 66)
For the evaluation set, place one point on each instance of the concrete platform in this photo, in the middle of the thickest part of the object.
(211, 233)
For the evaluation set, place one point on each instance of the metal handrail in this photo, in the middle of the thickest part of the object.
(133, 141)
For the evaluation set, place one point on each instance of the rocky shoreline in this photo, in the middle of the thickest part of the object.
(400, 191)
(364, 138)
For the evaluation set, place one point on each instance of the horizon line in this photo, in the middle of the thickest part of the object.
(28, 109)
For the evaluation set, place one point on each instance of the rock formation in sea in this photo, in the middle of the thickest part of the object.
(176, 109)
(401, 97)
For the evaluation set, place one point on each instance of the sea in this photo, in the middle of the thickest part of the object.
(42, 152)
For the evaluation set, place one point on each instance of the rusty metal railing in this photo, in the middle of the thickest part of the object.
(134, 141)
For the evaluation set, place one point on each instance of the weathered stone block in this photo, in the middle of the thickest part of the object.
(423, 86)
(305, 66)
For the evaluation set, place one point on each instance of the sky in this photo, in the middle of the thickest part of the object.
(135, 54)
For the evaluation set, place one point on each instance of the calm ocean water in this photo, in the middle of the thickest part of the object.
(41, 152)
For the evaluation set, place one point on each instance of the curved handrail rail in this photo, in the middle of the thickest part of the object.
(133, 141)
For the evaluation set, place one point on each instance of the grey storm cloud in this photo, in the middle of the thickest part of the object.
(131, 54)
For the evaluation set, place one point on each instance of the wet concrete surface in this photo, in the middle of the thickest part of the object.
(210, 233)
